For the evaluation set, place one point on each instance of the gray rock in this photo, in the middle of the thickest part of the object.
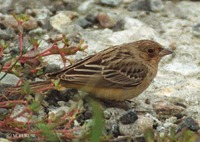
(6, 34)
(62, 20)
(112, 116)
(91, 17)
(156, 5)
(51, 68)
(42, 16)
(83, 23)
(85, 6)
(139, 5)
(37, 31)
(129, 117)
(5, 5)
(3, 113)
(71, 4)
(10, 21)
(9, 79)
(189, 123)
(196, 30)
(111, 2)
(166, 109)
(137, 128)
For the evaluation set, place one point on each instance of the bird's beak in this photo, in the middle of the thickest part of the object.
(165, 52)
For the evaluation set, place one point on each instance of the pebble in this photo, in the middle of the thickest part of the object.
(112, 3)
(71, 4)
(196, 30)
(5, 5)
(137, 128)
(83, 22)
(7, 34)
(37, 31)
(189, 123)
(51, 68)
(129, 117)
(9, 21)
(106, 21)
(92, 17)
(3, 113)
(9, 79)
(112, 116)
(156, 5)
(62, 20)
(42, 16)
(165, 109)
(54, 96)
(85, 6)
(138, 5)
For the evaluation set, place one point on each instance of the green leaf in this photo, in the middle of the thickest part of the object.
(98, 121)
(26, 88)
(35, 106)
(149, 135)
(48, 133)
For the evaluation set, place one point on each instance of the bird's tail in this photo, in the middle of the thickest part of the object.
(40, 86)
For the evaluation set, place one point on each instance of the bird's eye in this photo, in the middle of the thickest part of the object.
(150, 51)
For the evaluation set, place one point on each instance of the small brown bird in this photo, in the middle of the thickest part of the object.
(118, 73)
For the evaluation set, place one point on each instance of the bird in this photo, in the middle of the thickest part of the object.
(118, 73)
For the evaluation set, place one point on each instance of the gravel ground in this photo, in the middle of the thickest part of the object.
(174, 92)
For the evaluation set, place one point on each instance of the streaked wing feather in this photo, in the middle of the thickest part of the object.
(125, 77)
(123, 69)
(114, 67)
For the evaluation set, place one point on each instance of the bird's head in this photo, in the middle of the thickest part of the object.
(151, 51)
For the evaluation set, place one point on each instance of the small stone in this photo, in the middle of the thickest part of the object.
(69, 94)
(9, 79)
(3, 113)
(51, 68)
(115, 129)
(30, 24)
(62, 20)
(196, 30)
(106, 21)
(91, 17)
(10, 21)
(112, 3)
(5, 5)
(83, 23)
(137, 128)
(54, 96)
(129, 117)
(166, 109)
(112, 115)
(85, 6)
(189, 123)
(119, 25)
(138, 5)
(156, 5)
(107, 114)
(37, 31)
(7, 34)
(42, 15)
(71, 4)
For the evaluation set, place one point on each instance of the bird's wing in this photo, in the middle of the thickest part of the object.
(124, 69)
(114, 68)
